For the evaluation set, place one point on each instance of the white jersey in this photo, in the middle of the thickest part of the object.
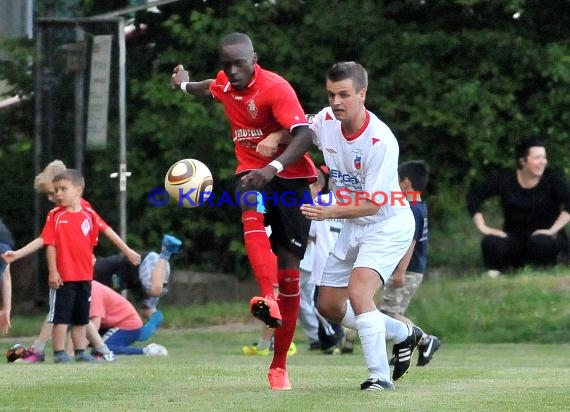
(325, 233)
(364, 166)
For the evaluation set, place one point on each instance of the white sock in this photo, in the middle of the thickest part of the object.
(103, 350)
(396, 330)
(38, 346)
(263, 344)
(349, 319)
(372, 333)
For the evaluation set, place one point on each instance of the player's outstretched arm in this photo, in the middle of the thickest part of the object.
(13, 255)
(268, 146)
(6, 301)
(301, 141)
(133, 256)
(180, 77)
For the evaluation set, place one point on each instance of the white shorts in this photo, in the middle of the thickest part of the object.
(378, 246)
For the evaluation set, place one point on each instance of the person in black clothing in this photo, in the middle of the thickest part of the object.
(148, 281)
(536, 206)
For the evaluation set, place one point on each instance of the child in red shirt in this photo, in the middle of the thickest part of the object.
(70, 234)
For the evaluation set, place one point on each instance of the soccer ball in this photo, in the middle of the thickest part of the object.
(190, 182)
(16, 352)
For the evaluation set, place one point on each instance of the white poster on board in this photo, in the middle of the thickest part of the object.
(97, 113)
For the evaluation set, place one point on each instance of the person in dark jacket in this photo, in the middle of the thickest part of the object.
(535, 201)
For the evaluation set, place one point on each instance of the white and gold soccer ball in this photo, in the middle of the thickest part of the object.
(190, 182)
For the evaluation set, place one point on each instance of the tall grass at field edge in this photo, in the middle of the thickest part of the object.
(525, 306)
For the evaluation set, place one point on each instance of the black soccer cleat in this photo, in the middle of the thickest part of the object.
(427, 349)
(376, 385)
(403, 352)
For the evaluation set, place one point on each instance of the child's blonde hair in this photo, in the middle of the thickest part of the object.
(44, 179)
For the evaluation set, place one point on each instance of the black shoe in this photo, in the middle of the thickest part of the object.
(376, 385)
(331, 350)
(314, 345)
(427, 349)
(403, 352)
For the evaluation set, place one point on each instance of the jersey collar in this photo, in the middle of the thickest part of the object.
(357, 134)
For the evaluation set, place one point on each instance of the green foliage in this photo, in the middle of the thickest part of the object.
(525, 306)
(16, 137)
(459, 82)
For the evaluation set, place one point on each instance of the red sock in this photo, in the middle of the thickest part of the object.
(262, 260)
(289, 298)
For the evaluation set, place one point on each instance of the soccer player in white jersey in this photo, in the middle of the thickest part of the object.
(362, 155)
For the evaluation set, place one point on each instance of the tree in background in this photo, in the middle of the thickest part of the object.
(459, 82)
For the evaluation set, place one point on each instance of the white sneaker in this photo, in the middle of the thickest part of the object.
(109, 357)
(493, 273)
(154, 349)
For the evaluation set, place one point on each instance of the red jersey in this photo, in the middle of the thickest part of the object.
(74, 235)
(267, 105)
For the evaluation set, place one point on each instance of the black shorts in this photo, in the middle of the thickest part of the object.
(72, 303)
(283, 199)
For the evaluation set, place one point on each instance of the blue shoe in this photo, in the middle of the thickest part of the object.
(61, 358)
(83, 357)
(170, 245)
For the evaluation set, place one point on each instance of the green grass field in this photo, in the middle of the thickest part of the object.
(505, 348)
(205, 371)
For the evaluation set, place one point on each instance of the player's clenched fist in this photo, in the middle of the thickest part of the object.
(179, 76)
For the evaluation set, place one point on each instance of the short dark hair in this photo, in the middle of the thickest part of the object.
(417, 171)
(349, 70)
(523, 149)
(71, 175)
(236, 38)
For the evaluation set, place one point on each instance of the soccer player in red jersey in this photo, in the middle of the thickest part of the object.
(259, 103)
(70, 233)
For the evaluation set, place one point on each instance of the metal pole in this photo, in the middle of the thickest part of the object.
(123, 174)
(79, 112)
(38, 155)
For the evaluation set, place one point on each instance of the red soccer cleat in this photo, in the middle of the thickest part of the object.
(266, 309)
(279, 379)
